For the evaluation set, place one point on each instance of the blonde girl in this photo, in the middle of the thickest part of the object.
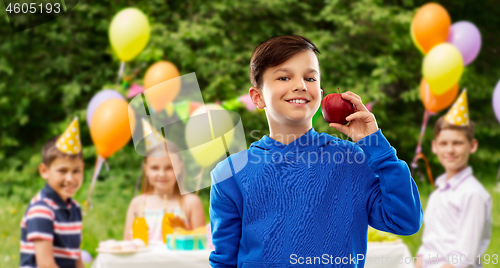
(160, 193)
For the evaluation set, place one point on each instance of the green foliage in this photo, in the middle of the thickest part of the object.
(49, 73)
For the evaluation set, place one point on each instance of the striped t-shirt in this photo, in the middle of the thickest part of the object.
(48, 217)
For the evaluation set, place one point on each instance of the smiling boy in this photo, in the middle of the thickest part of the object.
(458, 214)
(51, 228)
(299, 193)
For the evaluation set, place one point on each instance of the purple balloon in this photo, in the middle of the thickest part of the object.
(467, 38)
(86, 257)
(496, 101)
(99, 98)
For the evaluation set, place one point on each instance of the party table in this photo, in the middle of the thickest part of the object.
(379, 255)
(156, 256)
(388, 255)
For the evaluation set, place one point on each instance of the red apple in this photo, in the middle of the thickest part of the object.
(335, 109)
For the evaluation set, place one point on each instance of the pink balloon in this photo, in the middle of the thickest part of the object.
(467, 38)
(134, 90)
(248, 102)
(496, 101)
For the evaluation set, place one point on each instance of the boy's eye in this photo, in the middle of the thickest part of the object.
(311, 79)
(284, 78)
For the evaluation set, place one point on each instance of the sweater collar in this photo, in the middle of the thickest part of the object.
(307, 140)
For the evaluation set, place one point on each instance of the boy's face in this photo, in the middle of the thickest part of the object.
(64, 175)
(298, 78)
(452, 149)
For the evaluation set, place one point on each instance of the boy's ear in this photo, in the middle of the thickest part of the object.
(474, 146)
(434, 146)
(256, 96)
(44, 171)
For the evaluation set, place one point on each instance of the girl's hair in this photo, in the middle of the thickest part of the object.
(147, 188)
(275, 51)
(441, 125)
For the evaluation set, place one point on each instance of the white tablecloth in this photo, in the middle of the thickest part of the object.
(387, 255)
(378, 255)
(157, 256)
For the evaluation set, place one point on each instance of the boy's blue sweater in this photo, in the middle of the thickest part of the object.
(272, 204)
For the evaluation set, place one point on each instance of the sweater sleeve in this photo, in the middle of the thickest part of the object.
(392, 198)
(225, 223)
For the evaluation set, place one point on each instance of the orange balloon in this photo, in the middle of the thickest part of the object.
(412, 34)
(434, 103)
(158, 92)
(111, 126)
(430, 26)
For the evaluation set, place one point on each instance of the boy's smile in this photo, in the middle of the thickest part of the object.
(291, 91)
(453, 149)
(64, 176)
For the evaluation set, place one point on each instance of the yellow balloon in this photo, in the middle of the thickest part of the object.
(204, 134)
(129, 33)
(442, 68)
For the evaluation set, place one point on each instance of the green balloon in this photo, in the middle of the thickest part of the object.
(317, 116)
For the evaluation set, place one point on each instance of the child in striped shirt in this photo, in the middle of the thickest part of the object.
(52, 225)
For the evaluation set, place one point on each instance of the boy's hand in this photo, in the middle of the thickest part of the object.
(79, 262)
(418, 263)
(361, 123)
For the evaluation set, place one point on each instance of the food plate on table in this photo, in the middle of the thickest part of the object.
(120, 251)
(122, 247)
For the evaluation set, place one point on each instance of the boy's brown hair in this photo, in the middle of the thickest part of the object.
(275, 51)
(50, 152)
(441, 125)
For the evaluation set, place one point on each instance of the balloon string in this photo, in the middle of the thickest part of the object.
(428, 167)
(418, 150)
(120, 72)
(137, 183)
(97, 169)
(498, 175)
(199, 180)
(419, 145)
(106, 164)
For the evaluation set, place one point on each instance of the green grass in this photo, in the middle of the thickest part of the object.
(111, 197)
